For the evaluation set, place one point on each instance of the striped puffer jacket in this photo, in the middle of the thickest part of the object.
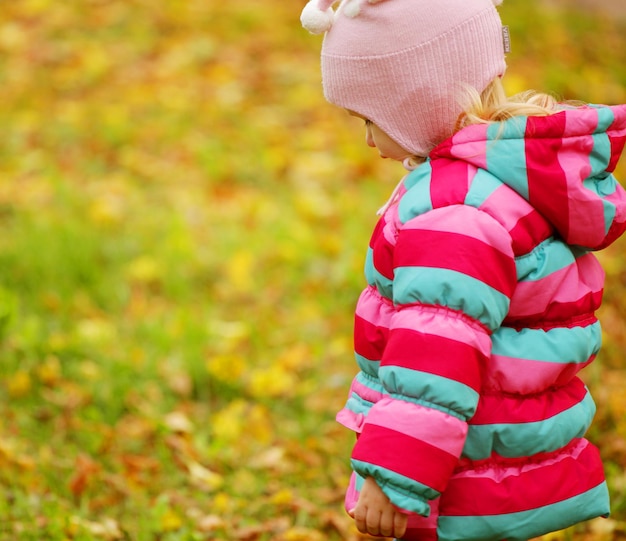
(477, 318)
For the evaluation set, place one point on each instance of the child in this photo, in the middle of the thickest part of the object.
(482, 285)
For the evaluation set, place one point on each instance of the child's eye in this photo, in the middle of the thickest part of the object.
(368, 122)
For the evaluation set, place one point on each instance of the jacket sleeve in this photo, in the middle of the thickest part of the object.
(454, 275)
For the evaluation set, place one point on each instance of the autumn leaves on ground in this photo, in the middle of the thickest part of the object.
(183, 230)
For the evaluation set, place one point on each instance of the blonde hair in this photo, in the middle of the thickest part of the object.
(493, 105)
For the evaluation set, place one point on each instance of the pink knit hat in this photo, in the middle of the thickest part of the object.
(403, 64)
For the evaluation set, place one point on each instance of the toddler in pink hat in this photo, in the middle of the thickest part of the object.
(403, 64)
(479, 307)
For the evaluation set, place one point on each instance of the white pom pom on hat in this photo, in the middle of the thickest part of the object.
(318, 16)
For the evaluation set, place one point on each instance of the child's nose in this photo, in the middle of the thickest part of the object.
(368, 138)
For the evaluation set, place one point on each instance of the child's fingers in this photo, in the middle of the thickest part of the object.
(387, 523)
(367, 520)
(359, 514)
(392, 523)
(372, 522)
(400, 521)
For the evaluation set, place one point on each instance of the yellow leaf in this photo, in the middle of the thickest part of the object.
(554, 536)
(282, 497)
(96, 331)
(106, 211)
(296, 357)
(89, 370)
(49, 372)
(260, 424)
(239, 271)
(272, 382)
(108, 529)
(222, 502)
(19, 384)
(11, 454)
(229, 423)
(302, 534)
(239, 417)
(171, 521)
(227, 368)
(203, 477)
(58, 341)
(95, 61)
(144, 270)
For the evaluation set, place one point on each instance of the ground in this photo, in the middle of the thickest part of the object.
(613, 7)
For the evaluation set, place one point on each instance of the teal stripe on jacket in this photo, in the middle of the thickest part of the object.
(547, 258)
(416, 200)
(558, 345)
(482, 187)
(604, 187)
(510, 153)
(369, 366)
(526, 524)
(526, 439)
(452, 289)
(358, 405)
(430, 388)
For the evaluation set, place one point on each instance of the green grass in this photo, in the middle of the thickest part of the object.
(183, 230)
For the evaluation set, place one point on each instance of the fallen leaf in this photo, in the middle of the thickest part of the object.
(19, 384)
(106, 529)
(203, 477)
(85, 469)
(178, 422)
(210, 523)
(171, 521)
(302, 534)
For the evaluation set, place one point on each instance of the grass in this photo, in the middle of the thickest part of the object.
(183, 223)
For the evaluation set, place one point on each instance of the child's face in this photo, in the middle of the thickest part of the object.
(377, 138)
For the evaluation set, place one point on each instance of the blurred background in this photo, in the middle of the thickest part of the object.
(184, 222)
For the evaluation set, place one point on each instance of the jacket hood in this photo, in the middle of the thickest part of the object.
(561, 164)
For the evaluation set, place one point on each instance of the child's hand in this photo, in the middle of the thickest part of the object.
(375, 514)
